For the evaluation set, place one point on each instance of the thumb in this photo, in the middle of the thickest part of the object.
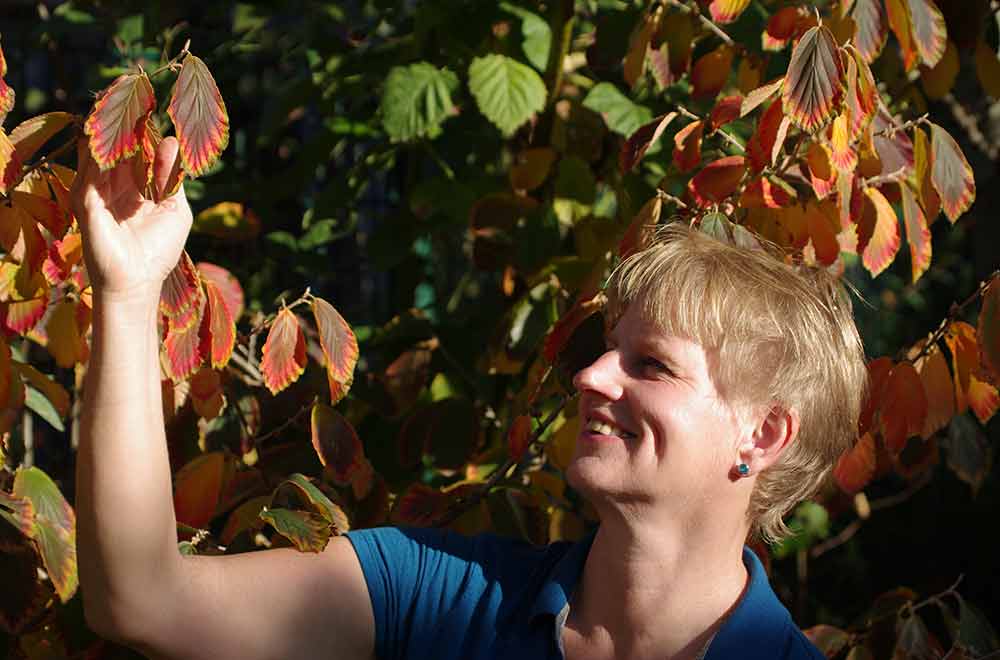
(86, 200)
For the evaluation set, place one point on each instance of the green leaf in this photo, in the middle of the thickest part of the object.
(54, 529)
(416, 100)
(537, 35)
(316, 500)
(507, 92)
(620, 114)
(41, 406)
(309, 532)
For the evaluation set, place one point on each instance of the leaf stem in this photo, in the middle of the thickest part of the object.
(172, 64)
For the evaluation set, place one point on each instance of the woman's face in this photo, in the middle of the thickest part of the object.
(654, 429)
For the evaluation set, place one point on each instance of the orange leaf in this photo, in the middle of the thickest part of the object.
(856, 466)
(983, 399)
(821, 172)
(117, 122)
(638, 143)
(532, 167)
(781, 28)
(10, 164)
(726, 110)
(340, 348)
(717, 180)
(197, 487)
(918, 234)
(284, 354)
(687, 146)
(872, 30)
(814, 83)
(766, 141)
(727, 11)
(228, 285)
(843, 157)
(336, 444)
(711, 72)
(748, 74)
(904, 406)
(940, 391)
(862, 95)
(987, 332)
(44, 211)
(929, 199)
(20, 317)
(960, 337)
(634, 64)
(899, 21)
(951, 174)
(63, 335)
(199, 116)
(30, 135)
(824, 240)
(207, 396)
(218, 329)
(519, 436)
(878, 375)
(761, 193)
(884, 243)
(929, 31)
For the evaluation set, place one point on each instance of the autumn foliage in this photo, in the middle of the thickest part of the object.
(288, 425)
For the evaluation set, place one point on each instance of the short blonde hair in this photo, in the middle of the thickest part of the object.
(779, 334)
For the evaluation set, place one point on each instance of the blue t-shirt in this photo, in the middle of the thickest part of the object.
(438, 594)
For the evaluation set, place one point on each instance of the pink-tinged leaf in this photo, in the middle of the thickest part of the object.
(918, 234)
(898, 13)
(764, 143)
(54, 529)
(44, 211)
(951, 174)
(814, 83)
(181, 290)
(856, 466)
(717, 180)
(687, 146)
(284, 352)
(218, 329)
(987, 333)
(117, 122)
(639, 142)
(32, 134)
(862, 95)
(199, 115)
(759, 95)
(336, 444)
(18, 511)
(892, 145)
(782, 27)
(182, 345)
(929, 32)
(10, 164)
(984, 400)
(727, 11)
(884, 243)
(762, 193)
(842, 154)
(872, 29)
(726, 110)
(197, 487)
(340, 348)
(710, 73)
(228, 285)
(659, 66)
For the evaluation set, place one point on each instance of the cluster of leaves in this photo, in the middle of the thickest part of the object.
(533, 133)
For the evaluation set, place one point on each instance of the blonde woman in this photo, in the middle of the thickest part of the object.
(730, 384)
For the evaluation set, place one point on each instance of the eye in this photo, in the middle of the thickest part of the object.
(651, 364)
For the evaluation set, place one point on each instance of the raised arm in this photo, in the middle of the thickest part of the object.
(136, 586)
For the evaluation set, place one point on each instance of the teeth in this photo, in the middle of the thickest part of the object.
(597, 426)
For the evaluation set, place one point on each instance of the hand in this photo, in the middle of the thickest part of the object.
(130, 244)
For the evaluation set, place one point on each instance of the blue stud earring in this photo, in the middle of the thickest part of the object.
(743, 469)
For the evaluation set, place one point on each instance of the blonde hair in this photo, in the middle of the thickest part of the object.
(779, 334)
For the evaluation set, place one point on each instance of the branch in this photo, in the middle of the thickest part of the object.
(891, 177)
(729, 138)
(670, 198)
(172, 64)
(45, 160)
(288, 422)
(706, 21)
(956, 311)
(891, 130)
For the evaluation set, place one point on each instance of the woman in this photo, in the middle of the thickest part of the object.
(730, 384)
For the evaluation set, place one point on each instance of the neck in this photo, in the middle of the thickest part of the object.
(652, 589)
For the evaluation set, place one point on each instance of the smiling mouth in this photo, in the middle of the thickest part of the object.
(603, 428)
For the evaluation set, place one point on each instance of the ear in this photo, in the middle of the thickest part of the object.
(775, 431)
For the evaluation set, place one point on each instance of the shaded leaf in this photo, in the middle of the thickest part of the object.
(766, 142)
(519, 436)
(988, 332)
(230, 221)
(18, 511)
(117, 122)
(687, 146)
(951, 174)
(621, 115)
(892, 145)
(6, 93)
(929, 32)
(940, 392)
(245, 516)
(207, 396)
(640, 230)
(781, 28)
(710, 73)
(898, 14)
(913, 641)
(10, 164)
(53, 391)
(308, 532)
(872, 28)
(316, 499)
(904, 406)
(64, 335)
(507, 92)
(717, 180)
(416, 101)
(197, 487)
(856, 467)
(975, 632)
(726, 110)
(54, 529)
(532, 167)
(828, 639)
(420, 505)
(638, 143)
(884, 243)
(960, 337)
(814, 83)
(336, 443)
(984, 400)
(938, 81)
(25, 596)
(634, 64)
(988, 69)
(284, 353)
(199, 116)
(968, 451)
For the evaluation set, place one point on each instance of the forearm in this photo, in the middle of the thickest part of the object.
(127, 534)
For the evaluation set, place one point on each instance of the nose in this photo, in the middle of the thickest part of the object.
(602, 377)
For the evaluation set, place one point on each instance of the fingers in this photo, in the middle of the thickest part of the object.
(84, 196)
(167, 172)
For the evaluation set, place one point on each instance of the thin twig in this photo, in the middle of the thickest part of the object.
(174, 62)
(891, 130)
(48, 158)
(729, 138)
(670, 198)
(706, 21)
(891, 177)
(288, 422)
(954, 312)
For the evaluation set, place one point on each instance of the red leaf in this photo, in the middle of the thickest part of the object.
(761, 193)
(940, 391)
(638, 143)
(726, 110)
(929, 32)
(711, 72)
(228, 285)
(856, 466)
(197, 487)
(519, 436)
(218, 330)
(918, 234)
(638, 232)
(199, 115)
(904, 406)
(872, 28)
(687, 146)
(181, 292)
(182, 344)
(951, 175)
(284, 352)
(340, 348)
(563, 329)
(814, 83)
(782, 27)
(207, 396)
(881, 249)
(20, 317)
(717, 180)
(763, 144)
(987, 332)
(420, 505)
(117, 122)
(727, 11)
(960, 337)
(30, 135)
(336, 443)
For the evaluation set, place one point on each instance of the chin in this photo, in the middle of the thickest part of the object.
(590, 477)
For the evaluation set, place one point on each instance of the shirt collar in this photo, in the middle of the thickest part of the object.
(558, 586)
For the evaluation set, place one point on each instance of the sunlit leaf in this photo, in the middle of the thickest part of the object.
(717, 180)
(814, 83)
(759, 95)
(635, 147)
(872, 29)
(181, 292)
(727, 11)
(842, 154)
(918, 234)
(54, 529)
(227, 220)
(951, 174)
(821, 172)
(30, 135)
(199, 116)
(898, 14)
(884, 243)
(284, 353)
(536, 33)
(620, 113)
(227, 284)
(63, 334)
(726, 110)
(938, 81)
(532, 167)
(711, 71)
(507, 92)
(182, 345)
(781, 28)
(416, 101)
(862, 95)
(929, 31)
(988, 332)
(983, 399)
(218, 328)
(687, 146)
(340, 348)
(336, 443)
(308, 532)
(856, 466)
(940, 391)
(117, 122)
(761, 193)
(197, 487)
(43, 210)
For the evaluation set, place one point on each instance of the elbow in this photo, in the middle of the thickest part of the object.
(116, 620)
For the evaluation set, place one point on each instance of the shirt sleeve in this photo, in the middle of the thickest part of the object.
(414, 577)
